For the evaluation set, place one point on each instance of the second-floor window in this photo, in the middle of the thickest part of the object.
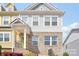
(47, 21)
(54, 21)
(6, 20)
(35, 21)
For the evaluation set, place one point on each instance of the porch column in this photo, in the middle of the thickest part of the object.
(25, 38)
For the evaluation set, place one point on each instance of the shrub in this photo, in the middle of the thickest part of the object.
(12, 54)
(65, 54)
(50, 52)
(0, 50)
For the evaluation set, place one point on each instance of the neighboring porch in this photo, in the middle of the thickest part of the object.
(21, 33)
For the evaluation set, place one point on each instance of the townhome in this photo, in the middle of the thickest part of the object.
(36, 29)
(71, 43)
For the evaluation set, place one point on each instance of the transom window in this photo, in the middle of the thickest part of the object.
(4, 36)
(35, 40)
(35, 21)
(6, 20)
(47, 40)
(47, 21)
(54, 21)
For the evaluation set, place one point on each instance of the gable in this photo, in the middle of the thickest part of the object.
(17, 21)
(41, 7)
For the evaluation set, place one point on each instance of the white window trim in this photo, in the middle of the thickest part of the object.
(37, 20)
(51, 41)
(50, 20)
(3, 21)
(9, 36)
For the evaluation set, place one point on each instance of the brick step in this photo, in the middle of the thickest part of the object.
(21, 50)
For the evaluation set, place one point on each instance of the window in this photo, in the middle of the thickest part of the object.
(6, 36)
(47, 21)
(24, 18)
(50, 40)
(54, 21)
(35, 21)
(54, 40)
(6, 20)
(47, 40)
(35, 40)
(1, 37)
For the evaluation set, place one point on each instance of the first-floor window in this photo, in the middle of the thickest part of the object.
(4, 37)
(1, 37)
(50, 40)
(35, 40)
(47, 40)
(54, 40)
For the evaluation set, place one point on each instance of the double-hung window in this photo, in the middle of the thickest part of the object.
(4, 36)
(47, 21)
(35, 21)
(1, 37)
(50, 40)
(54, 21)
(35, 40)
(54, 40)
(6, 20)
(47, 40)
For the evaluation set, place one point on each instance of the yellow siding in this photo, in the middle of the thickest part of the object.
(7, 44)
(0, 20)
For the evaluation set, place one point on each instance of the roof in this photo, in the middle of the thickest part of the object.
(76, 30)
(48, 5)
(2, 8)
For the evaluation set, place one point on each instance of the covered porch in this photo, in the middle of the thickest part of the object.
(21, 33)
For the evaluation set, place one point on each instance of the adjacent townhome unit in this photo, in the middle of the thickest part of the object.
(36, 29)
(71, 43)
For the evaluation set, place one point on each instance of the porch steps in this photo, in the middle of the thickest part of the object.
(21, 50)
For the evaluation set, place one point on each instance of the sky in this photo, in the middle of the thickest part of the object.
(70, 18)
